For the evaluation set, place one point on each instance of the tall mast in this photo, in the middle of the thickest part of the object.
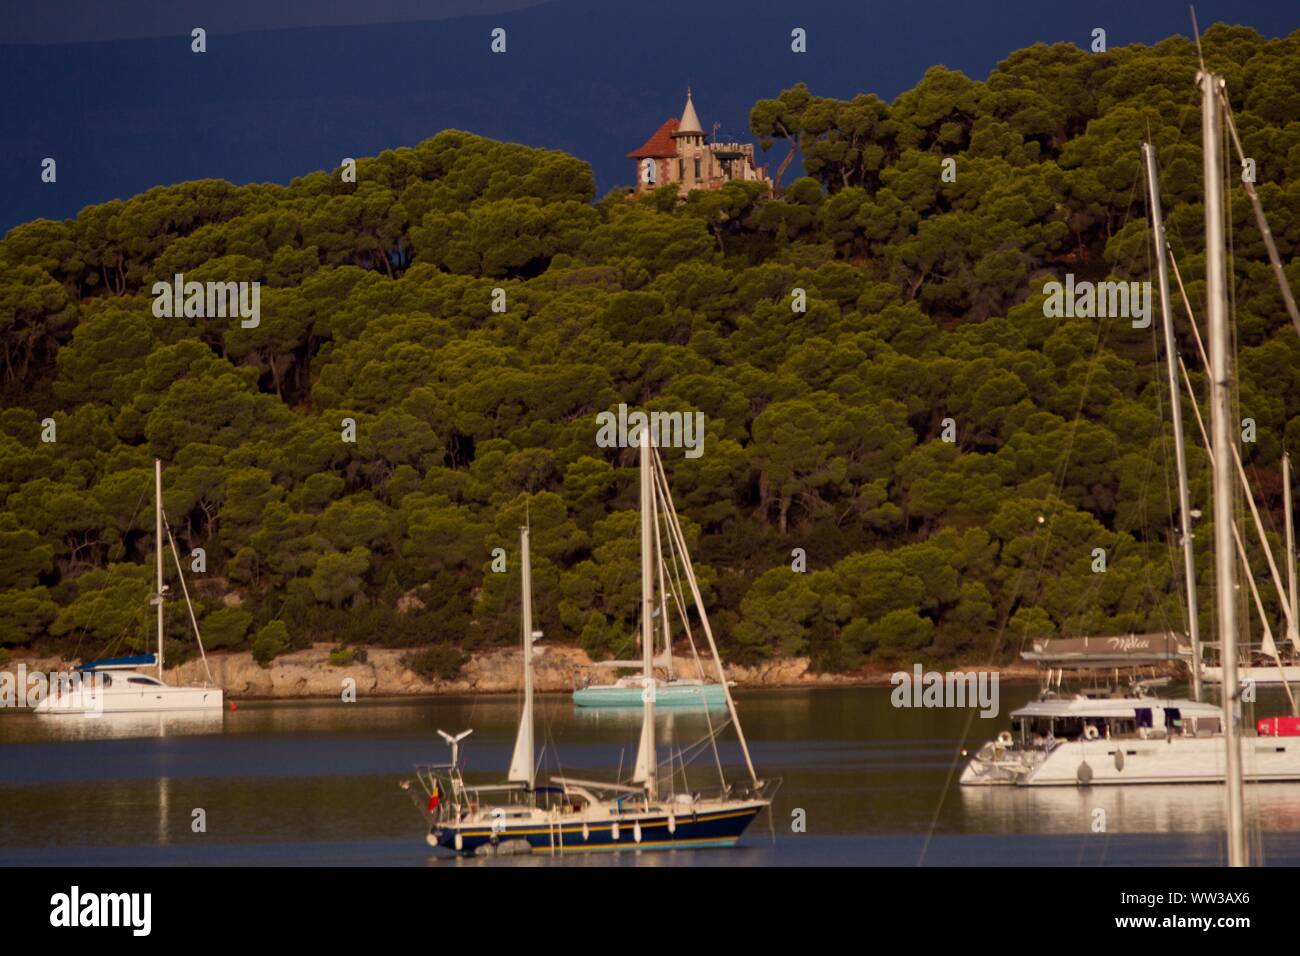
(1176, 413)
(522, 764)
(1225, 567)
(646, 769)
(1291, 631)
(158, 539)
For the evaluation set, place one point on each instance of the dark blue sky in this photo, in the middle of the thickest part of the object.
(285, 88)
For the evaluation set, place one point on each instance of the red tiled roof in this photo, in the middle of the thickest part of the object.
(660, 145)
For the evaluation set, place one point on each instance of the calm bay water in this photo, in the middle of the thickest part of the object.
(317, 783)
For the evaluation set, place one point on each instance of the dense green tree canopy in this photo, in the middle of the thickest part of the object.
(469, 307)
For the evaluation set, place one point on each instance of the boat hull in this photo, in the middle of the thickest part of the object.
(670, 695)
(86, 702)
(1160, 760)
(721, 827)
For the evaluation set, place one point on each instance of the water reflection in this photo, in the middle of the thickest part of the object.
(316, 782)
(117, 726)
(1182, 808)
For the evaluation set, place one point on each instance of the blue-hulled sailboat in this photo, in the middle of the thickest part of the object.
(651, 810)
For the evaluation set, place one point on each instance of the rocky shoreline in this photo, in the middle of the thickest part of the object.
(308, 674)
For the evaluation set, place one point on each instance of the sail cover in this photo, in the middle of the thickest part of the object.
(521, 764)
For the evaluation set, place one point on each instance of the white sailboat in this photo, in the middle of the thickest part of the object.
(569, 815)
(119, 685)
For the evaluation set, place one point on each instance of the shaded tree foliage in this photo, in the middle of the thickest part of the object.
(825, 427)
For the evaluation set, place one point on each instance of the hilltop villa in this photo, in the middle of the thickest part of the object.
(679, 153)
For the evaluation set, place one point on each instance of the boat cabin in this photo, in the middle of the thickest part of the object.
(1088, 718)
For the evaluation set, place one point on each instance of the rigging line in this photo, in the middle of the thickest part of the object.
(1235, 360)
(1261, 221)
(186, 591)
(675, 528)
(1078, 414)
(689, 753)
(1171, 546)
(947, 785)
(1196, 31)
(1245, 558)
(1059, 483)
(1241, 472)
(1128, 208)
(678, 597)
(970, 717)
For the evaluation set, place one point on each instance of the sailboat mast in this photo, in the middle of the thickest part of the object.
(646, 761)
(1225, 568)
(526, 574)
(1176, 413)
(1291, 631)
(523, 764)
(158, 540)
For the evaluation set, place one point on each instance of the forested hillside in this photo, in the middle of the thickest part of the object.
(824, 428)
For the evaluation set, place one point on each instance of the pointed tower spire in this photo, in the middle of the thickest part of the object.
(690, 122)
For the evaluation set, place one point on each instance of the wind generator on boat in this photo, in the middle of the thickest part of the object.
(656, 809)
(117, 685)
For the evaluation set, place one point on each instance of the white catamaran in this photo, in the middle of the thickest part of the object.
(1130, 736)
(1111, 734)
(118, 685)
(655, 809)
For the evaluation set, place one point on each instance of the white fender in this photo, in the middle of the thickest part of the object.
(460, 841)
(672, 823)
(613, 831)
(586, 833)
(636, 831)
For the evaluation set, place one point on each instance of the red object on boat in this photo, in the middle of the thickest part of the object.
(1278, 726)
